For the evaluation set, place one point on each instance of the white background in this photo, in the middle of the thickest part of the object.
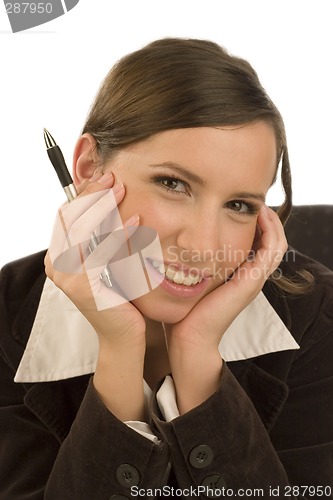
(50, 74)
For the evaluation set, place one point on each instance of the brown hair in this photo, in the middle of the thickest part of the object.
(177, 83)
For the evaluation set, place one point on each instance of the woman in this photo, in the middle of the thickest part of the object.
(206, 386)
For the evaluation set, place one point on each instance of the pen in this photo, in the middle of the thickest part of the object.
(59, 164)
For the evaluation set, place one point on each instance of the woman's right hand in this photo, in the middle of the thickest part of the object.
(76, 271)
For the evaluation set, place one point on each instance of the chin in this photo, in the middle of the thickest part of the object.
(164, 313)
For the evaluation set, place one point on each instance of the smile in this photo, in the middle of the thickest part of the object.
(178, 276)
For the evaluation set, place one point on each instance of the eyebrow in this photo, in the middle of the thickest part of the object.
(190, 176)
(247, 194)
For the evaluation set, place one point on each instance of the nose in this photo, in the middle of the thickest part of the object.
(200, 235)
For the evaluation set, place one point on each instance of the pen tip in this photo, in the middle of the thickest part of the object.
(49, 141)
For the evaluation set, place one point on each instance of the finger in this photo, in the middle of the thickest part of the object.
(77, 224)
(282, 239)
(256, 239)
(253, 273)
(90, 192)
(272, 242)
(99, 180)
(277, 242)
(48, 266)
(82, 228)
(76, 260)
(114, 243)
(69, 212)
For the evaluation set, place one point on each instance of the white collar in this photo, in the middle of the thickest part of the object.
(63, 344)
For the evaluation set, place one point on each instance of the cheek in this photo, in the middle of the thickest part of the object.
(135, 204)
(152, 213)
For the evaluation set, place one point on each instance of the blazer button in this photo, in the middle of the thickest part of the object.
(201, 456)
(127, 475)
(213, 483)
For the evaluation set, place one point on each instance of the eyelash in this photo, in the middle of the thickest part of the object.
(162, 178)
(252, 208)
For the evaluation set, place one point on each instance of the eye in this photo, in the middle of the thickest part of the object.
(172, 184)
(243, 207)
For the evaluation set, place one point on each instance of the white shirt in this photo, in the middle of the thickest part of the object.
(63, 344)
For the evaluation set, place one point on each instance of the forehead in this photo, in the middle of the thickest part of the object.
(245, 152)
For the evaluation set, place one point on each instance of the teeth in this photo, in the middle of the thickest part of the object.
(188, 281)
(170, 272)
(177, 276)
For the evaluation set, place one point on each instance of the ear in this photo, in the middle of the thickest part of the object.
(85, 159)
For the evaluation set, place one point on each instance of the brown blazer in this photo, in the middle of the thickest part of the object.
(267, 430)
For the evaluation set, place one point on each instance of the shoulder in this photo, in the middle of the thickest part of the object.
(21, 284)
(17, 277)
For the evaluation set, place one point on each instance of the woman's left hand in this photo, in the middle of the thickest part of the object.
(193, 342)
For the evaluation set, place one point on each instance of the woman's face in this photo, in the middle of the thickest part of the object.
(201, 190)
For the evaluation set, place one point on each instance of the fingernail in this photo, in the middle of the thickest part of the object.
(132, 221)
(107, 177)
